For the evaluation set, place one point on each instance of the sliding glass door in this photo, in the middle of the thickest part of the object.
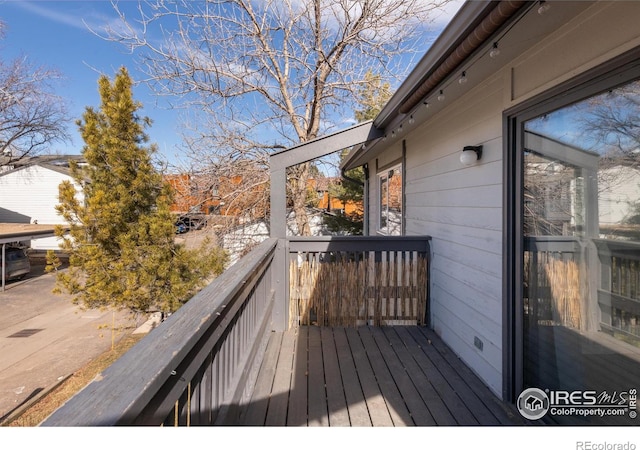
(580, 256)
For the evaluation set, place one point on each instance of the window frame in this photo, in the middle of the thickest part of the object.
(383, 175)
(611, 74)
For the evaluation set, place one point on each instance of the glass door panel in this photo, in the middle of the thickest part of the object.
(581, 261)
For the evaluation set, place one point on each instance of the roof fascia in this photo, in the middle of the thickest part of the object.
(467, 17)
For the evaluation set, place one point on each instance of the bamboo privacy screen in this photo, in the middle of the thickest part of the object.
(363, 288)
(554, 288)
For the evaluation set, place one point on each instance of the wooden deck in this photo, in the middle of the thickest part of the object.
(368, 376)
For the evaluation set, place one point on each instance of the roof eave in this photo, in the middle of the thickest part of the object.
(467, 31)
(470, 13)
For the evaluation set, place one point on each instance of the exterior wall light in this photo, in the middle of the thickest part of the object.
(544, 7)
(495, 51)
(471, 154)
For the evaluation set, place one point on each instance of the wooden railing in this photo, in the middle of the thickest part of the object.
(198, 366)
(194, 367)
(554, 289)
(619, 293)
(345, 281)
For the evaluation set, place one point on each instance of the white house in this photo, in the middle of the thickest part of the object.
(502, 136)
(29, 193)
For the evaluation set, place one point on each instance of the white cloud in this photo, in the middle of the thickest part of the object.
(51, 14)
(447, 12)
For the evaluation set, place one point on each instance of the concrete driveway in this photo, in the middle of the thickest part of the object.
(44, 337)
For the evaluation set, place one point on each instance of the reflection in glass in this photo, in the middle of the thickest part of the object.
(390, 205)
(581, 227)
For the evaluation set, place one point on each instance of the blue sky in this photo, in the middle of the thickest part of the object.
(55, 34)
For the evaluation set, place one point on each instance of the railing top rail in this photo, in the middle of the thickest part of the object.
(571, 244)
(358, 238)
(623, 249)
(563, 244)
(161, 354)
(358, 243)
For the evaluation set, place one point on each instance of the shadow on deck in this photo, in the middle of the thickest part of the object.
(368, 376)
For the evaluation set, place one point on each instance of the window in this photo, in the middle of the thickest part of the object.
(578, 302)
(390, 201)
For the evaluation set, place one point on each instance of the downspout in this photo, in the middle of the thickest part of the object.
(365, 198)
(353, 180)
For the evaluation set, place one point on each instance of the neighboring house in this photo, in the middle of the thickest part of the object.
(521, 282)
(30, 193)
(240, 196)
(620, 201)
(330, 203)
(190, 196)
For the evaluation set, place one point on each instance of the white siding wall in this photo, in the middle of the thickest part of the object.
(618, 202)
(31, 194)
(461, 207)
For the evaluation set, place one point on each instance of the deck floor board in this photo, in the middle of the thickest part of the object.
(367, 376)
(297, 412)
(379, 413)
(354, 396)
(317, 403)
(336, 402)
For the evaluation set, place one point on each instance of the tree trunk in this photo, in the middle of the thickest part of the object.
(298, 182)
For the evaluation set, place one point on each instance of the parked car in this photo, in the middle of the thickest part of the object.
(181, 227)
(17, 263)
(191, 221)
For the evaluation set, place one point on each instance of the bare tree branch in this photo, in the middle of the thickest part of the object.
(268, 74)
(32, 117)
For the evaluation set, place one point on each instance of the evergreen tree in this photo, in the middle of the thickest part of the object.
(372, 96)
(121, 244)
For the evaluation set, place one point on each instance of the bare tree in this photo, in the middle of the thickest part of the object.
(32, 117)
(269, 74)
(605, 129)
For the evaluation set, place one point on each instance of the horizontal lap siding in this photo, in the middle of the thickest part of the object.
(461, 208)
(31, 193)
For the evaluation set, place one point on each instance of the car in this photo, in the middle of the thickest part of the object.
(181, 228)
(17, 263)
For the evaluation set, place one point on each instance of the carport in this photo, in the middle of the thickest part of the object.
(16, 232)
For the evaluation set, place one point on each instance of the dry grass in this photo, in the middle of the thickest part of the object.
(48, 404)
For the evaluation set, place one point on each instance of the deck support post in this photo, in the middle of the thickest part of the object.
(280, 283)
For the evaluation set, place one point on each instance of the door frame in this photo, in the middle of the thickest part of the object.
(615, 72)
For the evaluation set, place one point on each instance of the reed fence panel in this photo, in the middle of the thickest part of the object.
(353, 287)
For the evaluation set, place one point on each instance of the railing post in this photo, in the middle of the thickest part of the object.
(280, 318)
